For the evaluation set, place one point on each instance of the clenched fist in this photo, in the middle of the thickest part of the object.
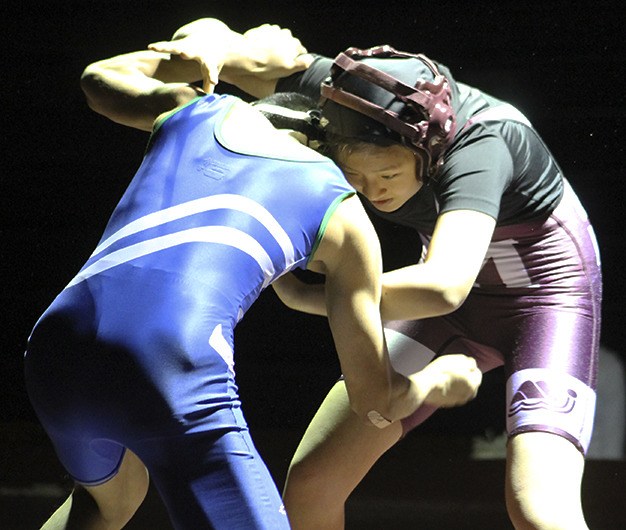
(452, 380)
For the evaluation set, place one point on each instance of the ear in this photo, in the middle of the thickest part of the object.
(420, 165)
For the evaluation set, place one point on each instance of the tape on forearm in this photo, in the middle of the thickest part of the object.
(377, 419)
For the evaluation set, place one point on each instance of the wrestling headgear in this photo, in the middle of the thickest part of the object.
(384, 93)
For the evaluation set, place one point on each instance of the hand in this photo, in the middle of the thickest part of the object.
(453, 380)
(200, 48)
(276, 51)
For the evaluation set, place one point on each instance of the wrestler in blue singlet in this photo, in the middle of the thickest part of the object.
(137, 351)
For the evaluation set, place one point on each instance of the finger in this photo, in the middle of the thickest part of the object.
(303, 61)
(210, 77)
(208, 85)
(162, 46)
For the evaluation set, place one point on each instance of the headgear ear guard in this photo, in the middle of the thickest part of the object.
(419, 114)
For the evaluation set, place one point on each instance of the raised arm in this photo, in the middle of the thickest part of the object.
(133, 89)
(252, 61)
(126, 89)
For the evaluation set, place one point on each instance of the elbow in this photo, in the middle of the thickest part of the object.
(451, 298)
(449, 293)
(91, 83)
(381, 415)
(362, 411)
(366, 401)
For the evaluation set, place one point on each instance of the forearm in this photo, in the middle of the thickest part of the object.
(253, 62)
(238, 57)
(419, 291)
(438, 286)
(448, 381)
(358, 335)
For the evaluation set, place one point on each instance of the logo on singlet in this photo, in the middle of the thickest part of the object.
(535, 395)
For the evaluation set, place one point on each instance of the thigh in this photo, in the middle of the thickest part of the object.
(414, 344)
(552, 376)
(119, 497)
(112, 503)
(215, 479)
(337, 451)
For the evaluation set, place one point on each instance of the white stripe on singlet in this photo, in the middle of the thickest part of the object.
(210, 234)
(205, 234)
(214, 202)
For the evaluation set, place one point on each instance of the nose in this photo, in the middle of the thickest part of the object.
(372, 189)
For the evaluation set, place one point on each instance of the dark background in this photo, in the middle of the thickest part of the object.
(64, 167)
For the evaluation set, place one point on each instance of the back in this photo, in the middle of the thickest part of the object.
(222, 201)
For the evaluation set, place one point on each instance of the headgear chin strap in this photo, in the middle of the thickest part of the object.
(426, 122)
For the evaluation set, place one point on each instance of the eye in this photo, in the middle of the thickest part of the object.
(389, 177)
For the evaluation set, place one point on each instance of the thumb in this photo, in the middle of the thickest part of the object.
(162, 46)
(303, 61)
(210, 76)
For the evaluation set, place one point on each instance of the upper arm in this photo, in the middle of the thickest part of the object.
(458, 246)
(127, 89)
(352, 262)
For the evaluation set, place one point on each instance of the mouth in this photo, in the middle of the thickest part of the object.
(381, 203)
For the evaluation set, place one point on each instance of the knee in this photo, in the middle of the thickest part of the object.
(308, 501)
(540, 510)
(544, 475)
(524, 514)
(304, 483)
(312, 499)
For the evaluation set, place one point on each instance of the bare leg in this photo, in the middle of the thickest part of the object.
(543, 479)
(336, 452)
(108, 506)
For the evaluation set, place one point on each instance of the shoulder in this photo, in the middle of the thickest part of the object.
(481, 145)
(348, 230)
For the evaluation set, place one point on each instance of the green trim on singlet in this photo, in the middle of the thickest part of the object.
(331, 210)
(161, 119)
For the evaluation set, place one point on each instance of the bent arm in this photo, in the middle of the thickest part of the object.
(440, 285)
(133, 89)
(253, 61)
(436, 287)
(350, 255)
(127, 89)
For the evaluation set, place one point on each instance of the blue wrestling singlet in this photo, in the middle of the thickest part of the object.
(137, 351)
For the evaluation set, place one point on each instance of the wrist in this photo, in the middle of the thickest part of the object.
(421, 386)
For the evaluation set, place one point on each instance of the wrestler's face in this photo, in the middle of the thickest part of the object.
(386, 176)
